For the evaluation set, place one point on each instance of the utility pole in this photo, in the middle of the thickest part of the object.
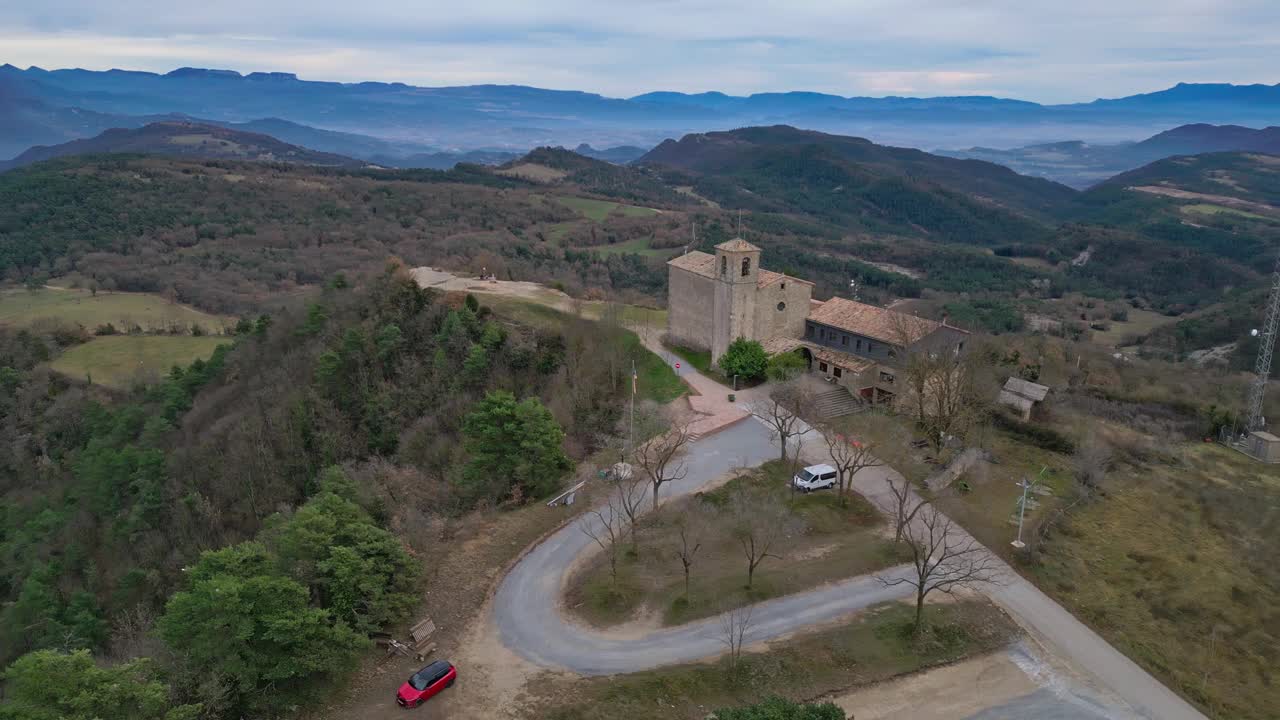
(1026, 485)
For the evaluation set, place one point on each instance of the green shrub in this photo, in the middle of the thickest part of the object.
(776, 708)
(785, 366)
(745, 359)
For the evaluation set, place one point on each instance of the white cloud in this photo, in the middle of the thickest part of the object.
(1048, 51)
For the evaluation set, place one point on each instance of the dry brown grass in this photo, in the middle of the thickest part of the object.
(829, 542)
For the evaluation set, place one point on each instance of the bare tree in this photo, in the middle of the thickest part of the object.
(735, 628)
(691, 526)
(606, 526)
(906, 505)
(781, 412)
(1090, 464)
(944, 394)
(943, 558)
(945, 389)
(759, 523)
(629, 490)
(662, 458)
(849, 457)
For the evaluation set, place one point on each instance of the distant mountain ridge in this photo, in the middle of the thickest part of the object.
(510, 117)
(1202, 138)
(859, 186)
(1081, 164)
(186, 139)
(740, 150)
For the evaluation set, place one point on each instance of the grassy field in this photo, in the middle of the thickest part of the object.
(1173, 563)
(557, 231)
(637, 246)
(989, 508)
(534, 172)
(699, 359)
(1176, 567)
(115, 360)
(829, 542)
(598, 210)
(1140, 322)
(1208, 209)
(150, 312)
(873, 647)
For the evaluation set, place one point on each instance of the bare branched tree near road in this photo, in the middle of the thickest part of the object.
(606, 526)
(906, 505)
(849, 456)
(629, 490)
(759, 523)
(735, 626)
(691, 526)
(781, 412)
(943, 558)
(662, 458)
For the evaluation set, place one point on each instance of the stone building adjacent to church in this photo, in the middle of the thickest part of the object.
(714, 299)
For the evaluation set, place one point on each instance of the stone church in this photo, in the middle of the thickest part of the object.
(714, 299)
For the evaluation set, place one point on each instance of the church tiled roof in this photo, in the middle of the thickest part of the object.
(696, 262)
(700, 263)
(874, 322)
(737, 245)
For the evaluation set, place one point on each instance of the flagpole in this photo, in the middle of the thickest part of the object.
(633, 406)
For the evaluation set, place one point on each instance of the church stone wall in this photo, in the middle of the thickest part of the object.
(690, 303)
(788, 322)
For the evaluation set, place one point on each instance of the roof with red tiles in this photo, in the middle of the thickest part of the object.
(874, 322)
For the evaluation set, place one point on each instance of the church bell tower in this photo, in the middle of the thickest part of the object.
(737, 279)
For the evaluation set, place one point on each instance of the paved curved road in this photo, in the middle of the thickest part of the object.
(527, 616)
(526, 605)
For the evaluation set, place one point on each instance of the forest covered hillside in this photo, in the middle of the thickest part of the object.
(231, 236)
(260, 488)
(185, 139)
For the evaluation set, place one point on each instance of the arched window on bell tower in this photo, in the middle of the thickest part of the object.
(724, 266)
(746, 266)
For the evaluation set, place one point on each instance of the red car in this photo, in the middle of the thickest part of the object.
(426, 683)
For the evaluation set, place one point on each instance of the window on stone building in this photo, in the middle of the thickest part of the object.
(844, 339)
(724, 266)
(839, 372)
(746, 266)
(871, 347)
(782, 306)
(808, 331)
(784, 286)
(822, 366)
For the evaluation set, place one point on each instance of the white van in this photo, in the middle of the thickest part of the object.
(815, 477)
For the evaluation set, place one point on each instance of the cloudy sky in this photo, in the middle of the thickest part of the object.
(1031, 49)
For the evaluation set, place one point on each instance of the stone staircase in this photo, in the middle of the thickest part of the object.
(835, 402)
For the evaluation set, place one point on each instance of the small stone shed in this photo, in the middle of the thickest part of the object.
(1022, 395)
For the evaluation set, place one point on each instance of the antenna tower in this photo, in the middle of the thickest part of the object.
(1262, 368)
